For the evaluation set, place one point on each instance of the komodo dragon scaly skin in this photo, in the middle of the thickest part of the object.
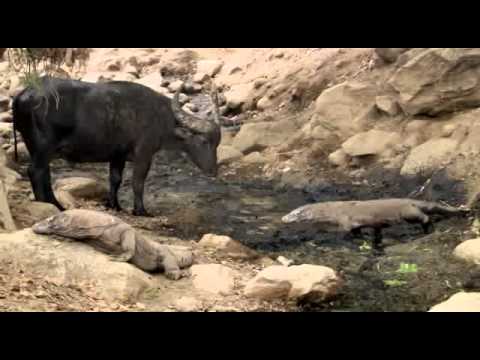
(378, 214)
(118, 239)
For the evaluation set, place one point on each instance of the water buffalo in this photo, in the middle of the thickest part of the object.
(113, 122)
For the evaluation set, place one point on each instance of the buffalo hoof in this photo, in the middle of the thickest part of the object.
(115, 207)
(143, 213)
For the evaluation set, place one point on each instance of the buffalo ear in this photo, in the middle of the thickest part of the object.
(182, 133)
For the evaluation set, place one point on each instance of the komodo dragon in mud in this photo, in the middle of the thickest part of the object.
(352, 216)
(118, 239)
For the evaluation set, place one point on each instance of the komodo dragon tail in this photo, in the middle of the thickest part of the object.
(433, 208)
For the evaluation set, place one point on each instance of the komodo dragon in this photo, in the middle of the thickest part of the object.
(118, 239)
(377, 214)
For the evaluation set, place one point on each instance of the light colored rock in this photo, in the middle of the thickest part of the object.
(175, 86)
(448, 130)
(4, 66)
(227, 138)
(238, 95)
(188, 304)
(81, 187)
(344, 107)
(191, 108)
(436, 80)
(124, 76)
(284, 261)
(264, 103)
(6, 220)
(209, 67)
(213, 278)
(153, 81)
(228, 246)
(131, 69)
(192, 88)
(200, 78)
(460, 302)
(430, 155)
(390, 55)
(15, 86)
(301, 282)
(40, 210)
(259, 83)
(339, 158)
(74, 263)
(469, 251)
(6, 117)
(183, 99)
(6, 130)
(254, 158)
(94, 77)
(227, 154)
(372, 142)
(387, 104)
(261, 135)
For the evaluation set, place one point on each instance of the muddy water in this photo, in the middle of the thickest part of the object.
(249, 210)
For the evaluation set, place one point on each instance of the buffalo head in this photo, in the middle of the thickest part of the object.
(199, 137)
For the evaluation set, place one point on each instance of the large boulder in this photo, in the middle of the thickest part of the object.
(259, 136)
(6, 220)
(372, 142)
(438, 80)
(213, 278)
(209, 67)
(469, 251)
(39, 210)
(154, 81)
(390, 55)
(72, 262)
(227, 154)
(460, 302)
(227, 246)
(344, 108)
(238, 96)
(339, 158)
(81, 187)
(430, 155)
(303, 282)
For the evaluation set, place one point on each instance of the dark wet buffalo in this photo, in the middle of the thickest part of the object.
(110, 122)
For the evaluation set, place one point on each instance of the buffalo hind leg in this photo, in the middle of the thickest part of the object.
(116, 174)
(39, 174)
(140, 171)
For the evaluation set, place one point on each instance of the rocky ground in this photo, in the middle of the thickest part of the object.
(300, 125)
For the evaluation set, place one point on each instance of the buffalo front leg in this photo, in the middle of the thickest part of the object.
(140, 172)
(116, 174)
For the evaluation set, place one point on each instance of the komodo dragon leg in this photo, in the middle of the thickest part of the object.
(418, 216)
(127, 242)
(170, 266)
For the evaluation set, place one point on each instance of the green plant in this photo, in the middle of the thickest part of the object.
(365, 246)
(407, 268)
(395, 282)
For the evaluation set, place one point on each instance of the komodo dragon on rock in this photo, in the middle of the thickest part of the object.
(352, 216)
(118, 239)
